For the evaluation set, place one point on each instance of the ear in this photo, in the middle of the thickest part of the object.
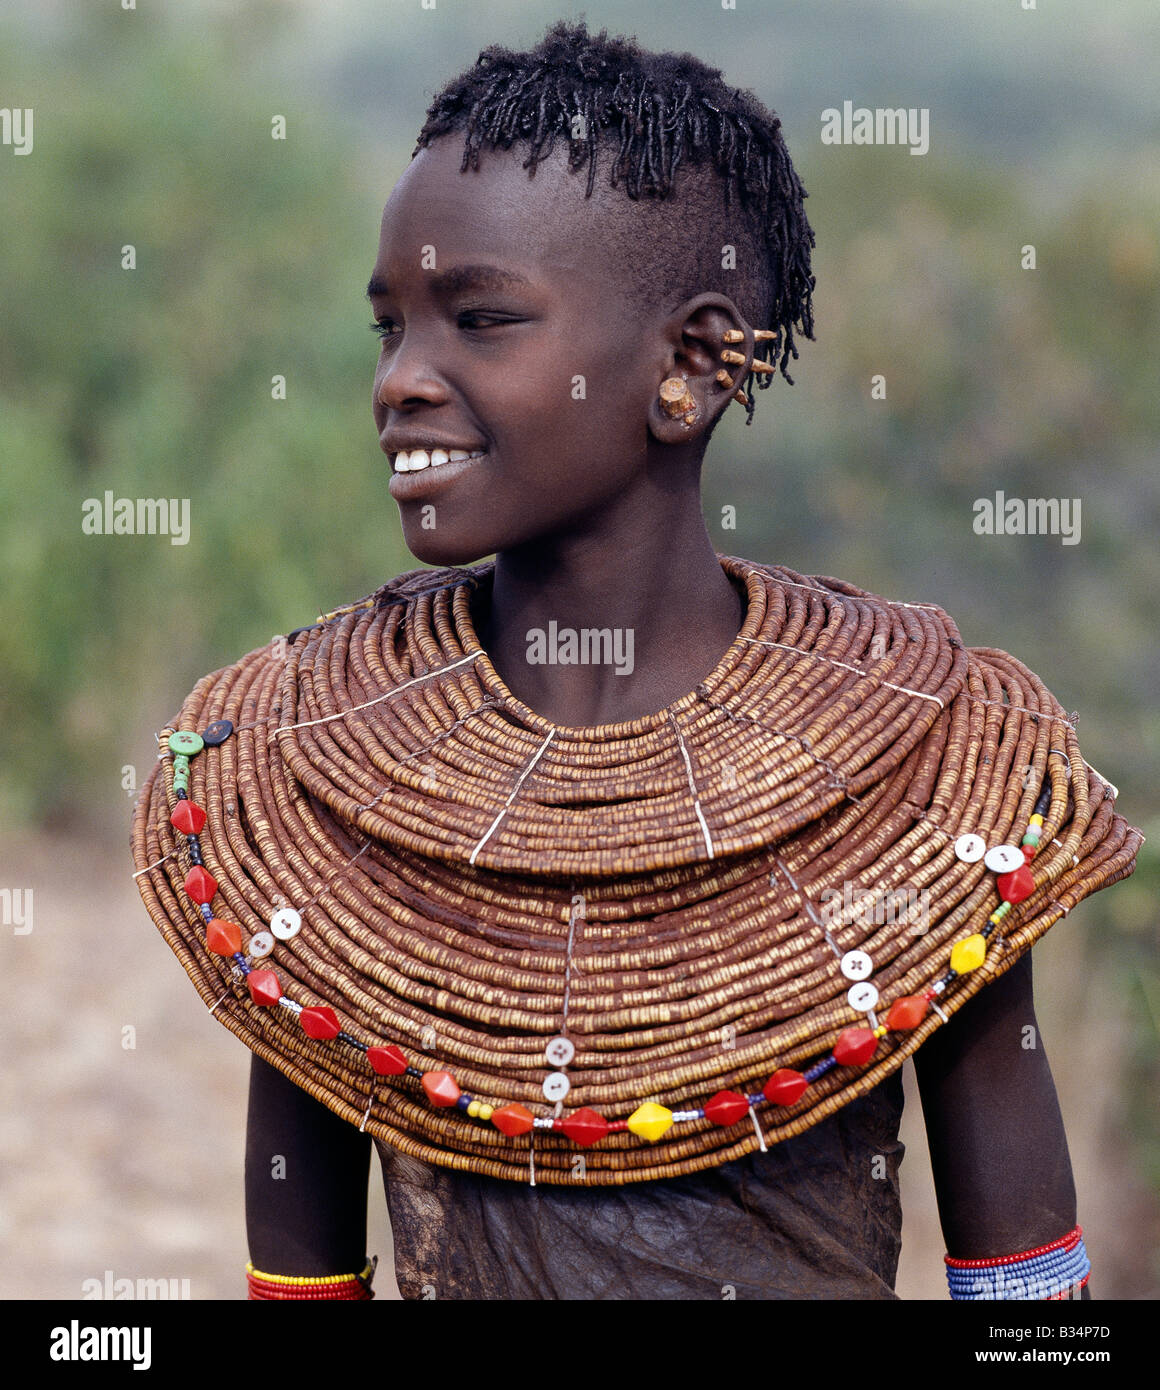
(696, 335)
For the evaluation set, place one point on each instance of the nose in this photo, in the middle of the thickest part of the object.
(405, 376)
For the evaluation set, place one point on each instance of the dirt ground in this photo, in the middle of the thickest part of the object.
(124, 1161)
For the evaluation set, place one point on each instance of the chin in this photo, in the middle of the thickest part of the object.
(433, 548)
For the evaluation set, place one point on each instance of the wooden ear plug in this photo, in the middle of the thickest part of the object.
(735, 335)
(676, 399)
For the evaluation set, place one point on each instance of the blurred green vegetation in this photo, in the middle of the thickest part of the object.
(252, 255)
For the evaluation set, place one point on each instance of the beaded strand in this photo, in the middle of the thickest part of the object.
(1046, 1272)
(585, 1127)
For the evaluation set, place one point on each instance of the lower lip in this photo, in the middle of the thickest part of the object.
(405, 487)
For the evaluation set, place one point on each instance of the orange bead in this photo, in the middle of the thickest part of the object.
(513, 1120)
(441, 1088)
(223, 938)
(907, 1012)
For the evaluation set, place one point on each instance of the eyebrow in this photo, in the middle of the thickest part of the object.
(461, 277)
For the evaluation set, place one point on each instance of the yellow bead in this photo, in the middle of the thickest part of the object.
(473, 1109)
(881, 1031)
(968, 954)
(485, 1111)
(650, 1121)
(1036, 820)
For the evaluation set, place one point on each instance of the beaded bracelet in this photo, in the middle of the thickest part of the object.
(323, 1288)
(1045, 1272)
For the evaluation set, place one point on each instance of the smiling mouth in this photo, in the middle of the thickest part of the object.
(416, 460)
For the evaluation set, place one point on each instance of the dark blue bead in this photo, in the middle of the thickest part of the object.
(181, 794)
(216, 733)
(412, 1071)
(463, 1102)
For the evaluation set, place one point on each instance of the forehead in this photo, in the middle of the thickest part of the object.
(542, 224)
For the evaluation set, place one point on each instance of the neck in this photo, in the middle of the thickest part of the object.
(671, 610)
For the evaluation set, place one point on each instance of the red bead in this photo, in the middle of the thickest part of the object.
(264, 987)
(855, 1046)
(200, 886)
(907, 1012)
(321, 1022)
(1029, 853)
(513, 1119)
(585, 1126)
(726, 1108)
(785, 1087)
(441, 1088)
(1013, 888)
(387, 1061)
(618, 1126)
(223, 938)
(188, 817)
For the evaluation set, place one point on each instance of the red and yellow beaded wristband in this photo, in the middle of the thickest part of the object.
(325, 1288)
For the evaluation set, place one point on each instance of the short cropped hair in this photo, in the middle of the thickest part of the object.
(659, 111)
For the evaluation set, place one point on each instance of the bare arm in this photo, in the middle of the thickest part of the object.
(306, 1181)
(997, 1143)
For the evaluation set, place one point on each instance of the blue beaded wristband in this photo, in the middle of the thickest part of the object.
(1039, 1276)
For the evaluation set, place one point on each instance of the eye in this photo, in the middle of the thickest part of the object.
(384, 327)
(482, 319)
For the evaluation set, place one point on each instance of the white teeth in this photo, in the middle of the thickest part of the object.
(415, 459)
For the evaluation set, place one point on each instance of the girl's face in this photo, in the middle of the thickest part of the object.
(503, 332)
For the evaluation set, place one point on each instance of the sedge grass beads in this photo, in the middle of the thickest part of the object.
(650, 1121)
(387, 733)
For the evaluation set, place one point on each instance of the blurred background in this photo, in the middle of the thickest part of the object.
(122, 1123)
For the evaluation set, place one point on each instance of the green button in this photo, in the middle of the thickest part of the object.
(187, 744)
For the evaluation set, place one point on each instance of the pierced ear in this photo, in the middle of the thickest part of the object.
(678, 415)
(713, 352)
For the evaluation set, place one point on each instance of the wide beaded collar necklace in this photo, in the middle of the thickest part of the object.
(624, 952)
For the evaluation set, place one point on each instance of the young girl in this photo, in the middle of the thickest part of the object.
(606, 886)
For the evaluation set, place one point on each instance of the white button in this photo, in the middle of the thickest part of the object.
(863, 997)
(970, 848)
(286, 923)
(1003, 859)
(560, 1052)
(556, 1086)
(857, 965)
(261, 944)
